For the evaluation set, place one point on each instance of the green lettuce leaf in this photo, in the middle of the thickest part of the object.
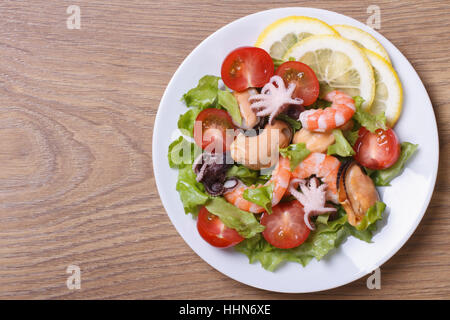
(205, 94)
(182, 153)
(323, 218)
(364, 235)
(258, 249)
(372, 215)
(243, 222)
(341, 147)
(366, 119)
(261, 196)
(246, 175)
(351, 136)
(296, 153)
(295, 125)
(228, 101)
(192, 193)
(186, 121)
(383, 177)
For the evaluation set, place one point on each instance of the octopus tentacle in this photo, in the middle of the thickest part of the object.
(274, 98)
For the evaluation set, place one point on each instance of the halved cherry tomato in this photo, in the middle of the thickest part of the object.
(213, 231)
(247, 67)
(285, 227)
(306, 83)
(210, 130)
(378, 150)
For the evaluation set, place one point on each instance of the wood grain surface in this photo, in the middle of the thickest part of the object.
(77, 109)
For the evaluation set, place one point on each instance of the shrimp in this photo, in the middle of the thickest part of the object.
(322, 120)
(324, 167)
(280, 179)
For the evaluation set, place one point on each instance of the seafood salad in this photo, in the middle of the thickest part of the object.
(281, 155)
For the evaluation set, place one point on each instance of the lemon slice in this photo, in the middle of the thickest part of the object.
(389, 92)
(362, 38)
(279, 36)
(339, 65)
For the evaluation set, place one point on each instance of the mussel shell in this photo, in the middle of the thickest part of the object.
(342, 169)
(356, 191)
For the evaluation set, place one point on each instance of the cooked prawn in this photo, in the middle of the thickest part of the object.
(280, 179)
(322, 120)
(322, 166)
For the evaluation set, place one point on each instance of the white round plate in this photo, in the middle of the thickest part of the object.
(407, 199)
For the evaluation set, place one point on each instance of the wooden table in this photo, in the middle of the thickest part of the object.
(77, 109)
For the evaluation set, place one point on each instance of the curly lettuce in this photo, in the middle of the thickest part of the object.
(341, 147)
(204, 94)
(352, 135)
(192, 193)
(186, 121)
(207, 94)
(182, 153)
(296, 153)
(372, 216)
(261, 196)
(247, 176)
(228, 101)
(243, 222)
(370, 121)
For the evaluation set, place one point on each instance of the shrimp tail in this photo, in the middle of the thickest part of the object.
(322, 120)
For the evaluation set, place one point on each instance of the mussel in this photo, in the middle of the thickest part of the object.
(356, 191)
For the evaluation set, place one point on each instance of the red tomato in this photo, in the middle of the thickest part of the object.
(213, 231)
(378, 150)
(306, 83)
(247, 67)
(285, 227)
(210, 130)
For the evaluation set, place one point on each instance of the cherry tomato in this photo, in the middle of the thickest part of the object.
(247, 67)
(213, 231)
(378, 150)
(210, 130)
(306, 83)
(285, 227)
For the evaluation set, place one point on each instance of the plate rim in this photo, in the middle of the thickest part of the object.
(428, 197)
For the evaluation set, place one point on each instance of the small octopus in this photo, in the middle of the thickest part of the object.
(211, 171)
(274, 98)
(312, 198)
